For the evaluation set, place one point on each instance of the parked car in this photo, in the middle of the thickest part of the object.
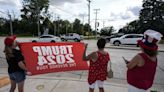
(130, 39)
(47, 38)
(71, 36)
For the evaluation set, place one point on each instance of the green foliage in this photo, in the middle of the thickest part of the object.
(161, 42)
(151, 17)
(34, 10)
(107, 31)
(132, 27)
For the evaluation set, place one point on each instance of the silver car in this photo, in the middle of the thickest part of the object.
(47, 38)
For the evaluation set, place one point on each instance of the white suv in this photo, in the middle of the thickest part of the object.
(71, 36)
(126, 39)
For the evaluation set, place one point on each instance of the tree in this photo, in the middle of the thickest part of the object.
(77, 28)
(132, 27)
(85, 29)
(33, 11)
(152, 15)
(107, 31)
(66, 27)
(4, 26)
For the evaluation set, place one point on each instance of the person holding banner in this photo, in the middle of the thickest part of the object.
(16, 65)
(98, 66)
(142, 68)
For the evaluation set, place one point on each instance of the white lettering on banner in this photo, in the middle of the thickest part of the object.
(55, 55)
(63, 50)
(42, 60)
(58, 66)
(60, 59)
(51, 60)
(69, 48)
(55, 50)
(37, 49)
(44, 67)
(72, 65)
(49, 50)
(46, 50)
(69, 58)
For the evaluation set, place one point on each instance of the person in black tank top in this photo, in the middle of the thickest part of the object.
(16, 64)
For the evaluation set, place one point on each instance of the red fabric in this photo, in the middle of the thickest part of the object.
(141, 44)
(142, 77)
(55, 57)
(98, 69)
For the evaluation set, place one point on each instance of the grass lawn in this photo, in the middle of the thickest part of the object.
(162, 41)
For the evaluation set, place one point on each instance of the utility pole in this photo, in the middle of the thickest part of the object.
(89, 3)
(54, 28)
(83, 16)
(54, 23)
(96, 12)
(83, 26)
(13, 14)
(103, 23)
(58, 18)
(11, 26)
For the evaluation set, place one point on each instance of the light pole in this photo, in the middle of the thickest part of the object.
(58, 19)
(89, 3)
(11, 26)
(83, 16)
(96, 24)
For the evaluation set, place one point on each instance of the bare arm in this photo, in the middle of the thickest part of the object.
(134, 62)
(92, 56)
(84, 54)
(22, 65)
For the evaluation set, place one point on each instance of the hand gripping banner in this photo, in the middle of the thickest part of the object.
(43, 58)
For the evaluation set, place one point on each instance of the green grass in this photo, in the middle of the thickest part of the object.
(162, 41)
(89, 37)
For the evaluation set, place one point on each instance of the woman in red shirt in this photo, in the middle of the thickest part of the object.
(98, 66)
(142, 68)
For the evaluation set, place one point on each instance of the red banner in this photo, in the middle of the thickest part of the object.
(43, 58)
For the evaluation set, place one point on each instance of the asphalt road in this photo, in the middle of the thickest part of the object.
(118, 65)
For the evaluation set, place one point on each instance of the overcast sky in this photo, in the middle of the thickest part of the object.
(112, 12)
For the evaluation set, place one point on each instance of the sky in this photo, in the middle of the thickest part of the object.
(116, 13)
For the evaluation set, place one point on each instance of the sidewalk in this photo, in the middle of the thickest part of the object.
(41, 83)
(132, 47)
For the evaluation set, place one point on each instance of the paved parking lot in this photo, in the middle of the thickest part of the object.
(72, 80)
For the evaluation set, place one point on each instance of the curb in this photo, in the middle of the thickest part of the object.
(127, 48)
(4, 81)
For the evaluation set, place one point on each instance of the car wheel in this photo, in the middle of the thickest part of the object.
(116, 43)
(76, 40)
(34, 41)
(52, 41)
(107, 40)
(62, 39)
(137, 45)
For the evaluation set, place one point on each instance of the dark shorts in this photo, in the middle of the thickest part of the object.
(17, 76)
